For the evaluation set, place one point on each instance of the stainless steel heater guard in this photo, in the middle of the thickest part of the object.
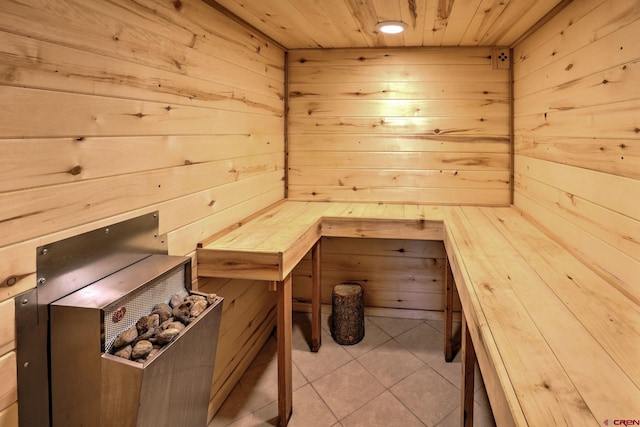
(64, 267)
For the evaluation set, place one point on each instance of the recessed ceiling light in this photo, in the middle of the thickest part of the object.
(391, 27)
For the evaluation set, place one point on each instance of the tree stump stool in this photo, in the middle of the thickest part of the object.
(347, 313)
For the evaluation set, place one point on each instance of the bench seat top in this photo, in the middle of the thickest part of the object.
(556, 343)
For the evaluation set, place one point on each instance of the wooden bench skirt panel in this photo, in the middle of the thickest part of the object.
(556, 343)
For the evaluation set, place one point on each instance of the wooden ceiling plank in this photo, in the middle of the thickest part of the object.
(431, 32)
(537, 16)
(365, 16)
(514, 19)
(414, 13)
(485, 17)
(301, 24)
(460, 17)
(343, 23)
(267, 17)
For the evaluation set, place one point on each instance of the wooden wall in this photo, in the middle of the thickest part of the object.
(577, 133)
(111, 109)
(426, 125)
(400, 278)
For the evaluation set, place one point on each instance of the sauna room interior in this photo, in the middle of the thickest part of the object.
(477, 174)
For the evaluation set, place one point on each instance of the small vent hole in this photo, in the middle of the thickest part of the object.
(502, 57)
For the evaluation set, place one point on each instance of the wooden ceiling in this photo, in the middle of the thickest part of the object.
(297, 24)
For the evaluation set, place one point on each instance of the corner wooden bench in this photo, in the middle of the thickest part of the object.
(555, 342)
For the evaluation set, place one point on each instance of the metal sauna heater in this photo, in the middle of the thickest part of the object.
(89, 386)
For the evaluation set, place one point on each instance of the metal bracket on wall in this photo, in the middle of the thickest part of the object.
(61, 268)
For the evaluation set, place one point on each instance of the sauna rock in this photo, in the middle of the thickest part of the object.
(143, 340)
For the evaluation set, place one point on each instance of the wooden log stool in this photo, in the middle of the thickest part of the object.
(347, 313)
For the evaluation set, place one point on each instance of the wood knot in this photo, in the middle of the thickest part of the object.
(75, 170)
(177, 4)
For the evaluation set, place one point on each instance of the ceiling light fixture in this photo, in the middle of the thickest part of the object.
(391, 27)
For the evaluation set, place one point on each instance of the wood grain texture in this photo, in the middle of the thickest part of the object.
(576, 135)
(9, 384)
(350, 23)
(398, 125)
(248, 319)
(7, 326)
(9, 416)
(116, 109)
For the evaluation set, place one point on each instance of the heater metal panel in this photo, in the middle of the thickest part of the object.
(63, 267)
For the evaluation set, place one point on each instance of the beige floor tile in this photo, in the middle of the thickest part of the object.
(348, 392)
(395, 326)
(268, 353)
(481, 398)
(315, 365)
(424, 342)
(451, 371)
(390, 362)
(235, 407)
(373, 337)
(481, 418)
(429, 396)
(251, 420)
(348, 388)
(383, 411)
(309, 410)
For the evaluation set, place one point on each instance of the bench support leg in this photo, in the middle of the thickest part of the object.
(283, 330)
(468, 372)
(316, 317)
(449, 287)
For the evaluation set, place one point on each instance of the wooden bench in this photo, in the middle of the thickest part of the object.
(555, 342)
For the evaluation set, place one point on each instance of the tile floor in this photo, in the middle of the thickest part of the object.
(396, 376)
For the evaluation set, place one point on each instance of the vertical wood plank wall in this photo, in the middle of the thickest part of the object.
(577, 133)
(425, 125)
(112, 109)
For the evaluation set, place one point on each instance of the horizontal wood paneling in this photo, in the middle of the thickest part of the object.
(406, 274)
(576, 134)
(9, 383)
(398, 125)
(7, 327)
(115, 109)
(9, 416)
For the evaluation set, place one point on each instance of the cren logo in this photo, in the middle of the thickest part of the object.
(620, 422)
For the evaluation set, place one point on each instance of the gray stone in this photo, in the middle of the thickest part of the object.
(198, 308)
(141, 349)
(166, 336)
(124, 352)
(183, 312)
(195, 298)
(146, 323)
(163, 310)
(175, 324)
(126, 337)
(176, 300)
